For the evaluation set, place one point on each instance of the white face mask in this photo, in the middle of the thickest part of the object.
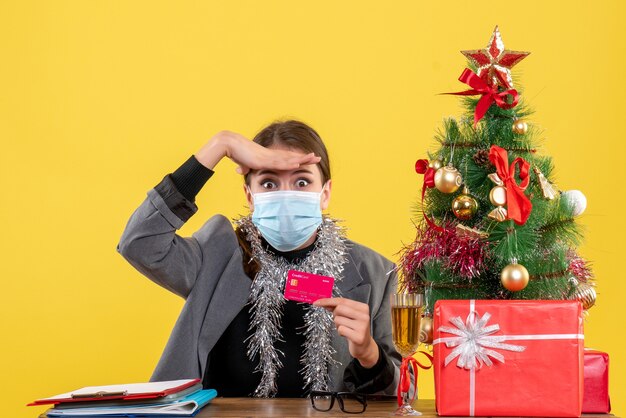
(287, 219)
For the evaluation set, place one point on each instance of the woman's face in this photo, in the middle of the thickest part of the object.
(306, 178)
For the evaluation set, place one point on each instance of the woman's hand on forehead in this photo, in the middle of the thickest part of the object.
(257, 157)
(249, 155)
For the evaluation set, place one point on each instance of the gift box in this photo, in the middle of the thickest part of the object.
(596, 394)
(508, 357)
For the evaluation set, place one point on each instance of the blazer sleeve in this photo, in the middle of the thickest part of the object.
(150, 242)
(390, 375)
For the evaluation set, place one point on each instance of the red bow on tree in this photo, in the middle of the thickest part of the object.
(421, 167)
(518, 204)
(490, 94)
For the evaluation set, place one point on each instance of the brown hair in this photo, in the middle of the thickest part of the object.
(298, 135)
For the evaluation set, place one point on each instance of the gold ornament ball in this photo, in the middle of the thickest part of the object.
(520, 126)
(435, 164)
(464, 207)
(586, 294)
(514, 277)
(448, 179)
(426, 330)
(497, 196)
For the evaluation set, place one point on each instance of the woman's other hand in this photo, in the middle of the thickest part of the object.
(352, 320)
(249, 155)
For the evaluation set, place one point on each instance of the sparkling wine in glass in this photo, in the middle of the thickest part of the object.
(406, 313)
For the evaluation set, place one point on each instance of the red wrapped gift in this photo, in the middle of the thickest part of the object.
(596, 399)
(508, 357)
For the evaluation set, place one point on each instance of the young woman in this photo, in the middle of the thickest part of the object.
(236, 330)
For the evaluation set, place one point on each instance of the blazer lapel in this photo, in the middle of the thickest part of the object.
(352, 285)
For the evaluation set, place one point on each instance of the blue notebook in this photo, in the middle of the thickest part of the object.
(187, 406)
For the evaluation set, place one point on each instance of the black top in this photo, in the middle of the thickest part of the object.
(228, 358)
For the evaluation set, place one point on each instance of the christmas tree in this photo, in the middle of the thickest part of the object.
(491, 222)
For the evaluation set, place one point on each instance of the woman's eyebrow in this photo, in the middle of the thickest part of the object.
(272, 172)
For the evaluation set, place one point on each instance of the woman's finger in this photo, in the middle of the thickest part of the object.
(242, 169)
(338, 301)
(310, 158)
(353, 324)
(354, 336)
(350, 312)
(293, 162)
(286, 160)
(283, 164)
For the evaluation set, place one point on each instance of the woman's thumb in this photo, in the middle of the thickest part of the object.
(242, 170)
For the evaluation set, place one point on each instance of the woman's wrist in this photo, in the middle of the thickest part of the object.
(213, 152)
(370, 358)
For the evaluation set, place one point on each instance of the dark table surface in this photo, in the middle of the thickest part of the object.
(290, 407)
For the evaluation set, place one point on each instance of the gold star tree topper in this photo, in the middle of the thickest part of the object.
(494, 63)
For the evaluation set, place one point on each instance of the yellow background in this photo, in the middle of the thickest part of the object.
(100, 99)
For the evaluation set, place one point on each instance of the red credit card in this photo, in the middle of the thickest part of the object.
(307, 287)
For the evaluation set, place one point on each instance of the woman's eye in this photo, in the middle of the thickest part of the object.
(268, 185)
(302, 183)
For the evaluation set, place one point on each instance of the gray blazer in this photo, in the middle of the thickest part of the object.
(206, 269)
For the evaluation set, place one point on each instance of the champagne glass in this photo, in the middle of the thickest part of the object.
(406, 314)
